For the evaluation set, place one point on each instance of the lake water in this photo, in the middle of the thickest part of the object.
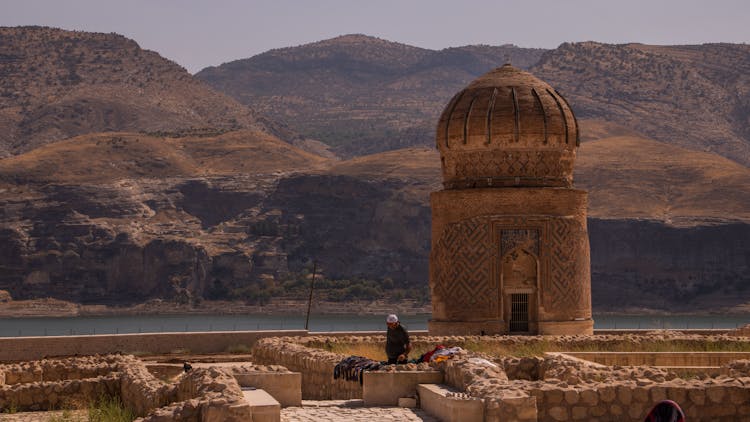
(42, 326)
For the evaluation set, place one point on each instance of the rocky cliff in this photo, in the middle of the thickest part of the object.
(214, 232)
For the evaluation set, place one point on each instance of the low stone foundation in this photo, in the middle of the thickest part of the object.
(315, 365)
(205, 394)
(555, 387)
(562, 388)
(284, 385)
(74, 382)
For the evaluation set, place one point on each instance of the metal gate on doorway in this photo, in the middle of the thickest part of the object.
(519, 313)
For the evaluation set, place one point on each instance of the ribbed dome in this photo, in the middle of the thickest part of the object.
(507, 128)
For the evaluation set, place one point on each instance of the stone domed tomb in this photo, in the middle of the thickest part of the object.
(510, 249)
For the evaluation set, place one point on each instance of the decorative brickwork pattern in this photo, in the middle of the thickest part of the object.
(508, 168)
(568, 258)
(507, 128)
(527, 239)
(463, 265)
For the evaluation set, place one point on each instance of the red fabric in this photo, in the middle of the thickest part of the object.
(426, 357)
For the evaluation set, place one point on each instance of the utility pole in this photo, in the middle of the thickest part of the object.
(309, 301)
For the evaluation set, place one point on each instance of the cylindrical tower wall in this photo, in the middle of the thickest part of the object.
(477, 234)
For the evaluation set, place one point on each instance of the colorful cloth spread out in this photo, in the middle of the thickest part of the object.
(354, 367)
(665, 411)
(426, 357)
(439, 354)
(444, 354)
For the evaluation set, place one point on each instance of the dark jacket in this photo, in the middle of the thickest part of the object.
(396, 341)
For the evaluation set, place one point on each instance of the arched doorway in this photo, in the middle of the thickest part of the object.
(519, 275)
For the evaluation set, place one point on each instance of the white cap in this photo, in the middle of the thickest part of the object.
(391, 319)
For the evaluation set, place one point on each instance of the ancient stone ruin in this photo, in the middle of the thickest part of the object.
(475, 386)
(510, 249)
(206, 394)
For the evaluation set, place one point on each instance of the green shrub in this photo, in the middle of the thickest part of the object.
(110, 409)
(238, 349)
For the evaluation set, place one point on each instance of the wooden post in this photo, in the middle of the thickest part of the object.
(309, 301)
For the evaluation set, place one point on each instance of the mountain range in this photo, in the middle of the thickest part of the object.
(125, 178)
(361, 94)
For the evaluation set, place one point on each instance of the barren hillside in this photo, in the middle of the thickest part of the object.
(362, 95)
(359, 94)
(55, 84)
(695, 96)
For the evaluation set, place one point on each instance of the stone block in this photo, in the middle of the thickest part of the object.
(616, 410)
(525, 407)
(658, 394)
(677, 394)
(640, 395)
(697, 396)
(571, 396)
(553, 396)
(599, 410)
(715, 393)
(435, 400)
(624, 394)
(385, 388)
(637, 411)
(579, 413)
(558, 413)
(607, 394)
(286, 387)
(409, 402)
(589, 397)
(738, 395)
(263, 407)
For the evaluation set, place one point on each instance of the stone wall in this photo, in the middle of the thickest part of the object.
(29, 348)
(316, 366)
(631, 400)
(563, 388)
(57, 370)
(74, 382)
(556, 387)
(205, 394)
(48, 395)
(666, 359)
(140, 390)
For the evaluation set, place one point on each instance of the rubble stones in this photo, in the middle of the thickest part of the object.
(556, 387)
(51, 383)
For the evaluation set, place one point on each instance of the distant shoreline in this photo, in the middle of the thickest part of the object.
(51, 308)
(58, 308)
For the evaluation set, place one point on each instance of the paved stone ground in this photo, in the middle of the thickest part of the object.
(59, 415)
(311, 411)
(350, 410)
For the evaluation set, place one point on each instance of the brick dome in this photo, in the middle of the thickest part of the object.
(507, 128)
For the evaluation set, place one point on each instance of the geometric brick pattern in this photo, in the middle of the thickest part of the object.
(462, 261)
(469, 169)
(527, 239)
(562, 288)
(470, 255)
(507, 128)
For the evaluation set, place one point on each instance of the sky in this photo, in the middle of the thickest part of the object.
(197, 34)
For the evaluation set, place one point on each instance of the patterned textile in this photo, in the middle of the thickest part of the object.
(354, 367)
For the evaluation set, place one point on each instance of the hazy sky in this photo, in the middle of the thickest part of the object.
(203, 33)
